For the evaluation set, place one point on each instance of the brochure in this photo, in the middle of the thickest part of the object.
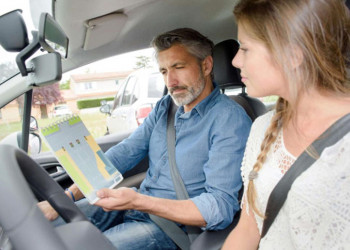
(81, 157)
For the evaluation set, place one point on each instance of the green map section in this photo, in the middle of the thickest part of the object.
(75, 174)
(49, 130)
(74, 120)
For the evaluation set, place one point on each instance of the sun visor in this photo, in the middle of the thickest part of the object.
(103, 30)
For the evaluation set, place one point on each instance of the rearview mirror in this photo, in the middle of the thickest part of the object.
(13, 31)
(51, 36)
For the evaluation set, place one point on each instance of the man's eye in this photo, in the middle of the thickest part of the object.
(179, 67)
(243, 49)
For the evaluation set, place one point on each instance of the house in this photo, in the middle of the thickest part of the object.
(92, 86)
(82, 86)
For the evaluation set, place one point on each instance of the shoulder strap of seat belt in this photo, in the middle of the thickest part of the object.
(169, 227)
(279, 194)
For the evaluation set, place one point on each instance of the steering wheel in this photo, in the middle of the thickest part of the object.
(22, 220)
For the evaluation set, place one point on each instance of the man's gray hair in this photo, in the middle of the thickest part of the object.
(196, 44)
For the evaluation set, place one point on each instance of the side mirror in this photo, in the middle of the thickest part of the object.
(34, 143)
(51, 36)
(33, 124)
(106, 109)
(13, 31)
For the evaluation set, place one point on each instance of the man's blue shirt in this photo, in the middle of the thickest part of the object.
(210, 142)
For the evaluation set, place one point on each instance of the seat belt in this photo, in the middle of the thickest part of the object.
(279, 194)
(180, 238)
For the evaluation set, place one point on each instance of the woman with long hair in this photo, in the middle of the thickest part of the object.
(298, 50)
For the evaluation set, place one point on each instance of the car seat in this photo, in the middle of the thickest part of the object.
(228, 77)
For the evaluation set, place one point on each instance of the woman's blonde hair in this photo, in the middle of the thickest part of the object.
(312, 32)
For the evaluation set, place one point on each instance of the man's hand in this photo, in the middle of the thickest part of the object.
(182, 211)
(48, 210)
(117, 199)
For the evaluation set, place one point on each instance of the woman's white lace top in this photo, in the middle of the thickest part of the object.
(316, 214)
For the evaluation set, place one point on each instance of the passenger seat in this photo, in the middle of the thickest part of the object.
(228, 77)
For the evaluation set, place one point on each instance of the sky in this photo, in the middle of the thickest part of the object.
(122, 62)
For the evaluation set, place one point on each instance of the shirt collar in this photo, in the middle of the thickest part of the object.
(202, 107)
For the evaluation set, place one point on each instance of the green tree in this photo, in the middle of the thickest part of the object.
(142, 62)
(65, 85)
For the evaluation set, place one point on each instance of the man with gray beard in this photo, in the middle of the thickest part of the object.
(211, 133)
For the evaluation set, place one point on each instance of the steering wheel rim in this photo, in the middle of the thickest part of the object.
(19, 214)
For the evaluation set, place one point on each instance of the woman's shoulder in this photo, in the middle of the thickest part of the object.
(262, 122)
(257, 134)
(256, 137)
(264, 119)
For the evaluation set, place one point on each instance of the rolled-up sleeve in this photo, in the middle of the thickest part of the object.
(223, 181)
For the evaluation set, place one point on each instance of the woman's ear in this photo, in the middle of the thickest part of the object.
(297, 57)
(207, 65)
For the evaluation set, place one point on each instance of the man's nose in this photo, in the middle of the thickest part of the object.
(171, 79)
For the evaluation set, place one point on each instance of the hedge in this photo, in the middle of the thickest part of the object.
(92, 103)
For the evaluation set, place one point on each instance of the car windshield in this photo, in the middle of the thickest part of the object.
(7, 66)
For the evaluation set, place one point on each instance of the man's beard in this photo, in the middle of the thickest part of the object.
(191, 93)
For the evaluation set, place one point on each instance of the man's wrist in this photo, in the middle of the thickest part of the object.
(144, 202)
(70, 194)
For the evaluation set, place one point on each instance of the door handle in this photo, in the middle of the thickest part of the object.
(59, 171)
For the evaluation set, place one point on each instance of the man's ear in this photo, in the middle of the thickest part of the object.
(207, 65)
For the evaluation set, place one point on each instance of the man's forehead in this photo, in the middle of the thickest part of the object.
(175, 54)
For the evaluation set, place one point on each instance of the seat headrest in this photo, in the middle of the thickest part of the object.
(225, 75)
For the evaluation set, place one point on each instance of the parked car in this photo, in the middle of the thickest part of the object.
(61, 110)
(135, 99)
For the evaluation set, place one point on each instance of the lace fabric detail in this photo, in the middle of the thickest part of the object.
(284, 159)
(316, 214)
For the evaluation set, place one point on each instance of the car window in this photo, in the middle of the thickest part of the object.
(8, 67)
(136, 93)
(11, 117)
(155, 86)
(128, 90)
(117, 98)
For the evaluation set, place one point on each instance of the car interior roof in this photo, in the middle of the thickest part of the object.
(117, 27)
